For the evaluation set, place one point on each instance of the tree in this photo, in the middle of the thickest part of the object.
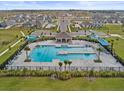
(27, 49)
(85, 30)
(37, 46)
(112, 45)
(28, 31)
(65, 62)
(122, 27)
(108, 32)
(117, 39)
(60, 65)
(69, 63)
(99, 52)
(17, 36)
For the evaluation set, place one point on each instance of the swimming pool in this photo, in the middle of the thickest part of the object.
(31, 38)
(100, 40)
(49, 53)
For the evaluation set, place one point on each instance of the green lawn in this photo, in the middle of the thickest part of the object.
(10, 36)
(10, 52)
(44, 83)
(118, 46)
(1, 19)
(53, 29)
(113, 29)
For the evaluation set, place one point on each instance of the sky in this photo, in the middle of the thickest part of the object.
(61, 5)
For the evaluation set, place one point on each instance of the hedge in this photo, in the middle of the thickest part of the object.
(62, 75)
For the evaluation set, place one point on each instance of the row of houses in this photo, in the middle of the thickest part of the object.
(27, 20)
(92, 25)
(88, 24)
(108, 17)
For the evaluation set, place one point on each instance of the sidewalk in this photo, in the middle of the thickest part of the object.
(12, 44)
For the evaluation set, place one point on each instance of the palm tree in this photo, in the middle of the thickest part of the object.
(69, 63)
(108, 32)
(27, 49)
(122, 26)
(85, 29)
(60, 65)
(112, 46)
(37, 46)
(9, 47)
(65, 62)
(28, 31)
(17, 36)
(117, 39)
(99, 52)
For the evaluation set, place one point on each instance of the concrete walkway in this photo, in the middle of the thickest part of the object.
(22, 34)
(13, 44)
(58, 23)
(11, 47)
(69, 28)
(116, 35)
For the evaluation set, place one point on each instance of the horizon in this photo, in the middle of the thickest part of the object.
(62, 5)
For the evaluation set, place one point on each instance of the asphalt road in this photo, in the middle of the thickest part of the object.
(63, 25)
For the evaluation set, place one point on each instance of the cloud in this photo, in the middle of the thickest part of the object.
(89, 5)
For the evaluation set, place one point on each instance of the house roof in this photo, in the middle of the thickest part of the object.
(63, 35)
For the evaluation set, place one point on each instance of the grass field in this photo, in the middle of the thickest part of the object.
(118, 46)
(44, 83)
(53, 29)
(1, 19)
(10, 36)
(113, 29)
(10, 52)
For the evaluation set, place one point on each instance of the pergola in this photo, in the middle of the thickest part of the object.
(63, 37)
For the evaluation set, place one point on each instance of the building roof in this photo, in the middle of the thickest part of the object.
(63, 35)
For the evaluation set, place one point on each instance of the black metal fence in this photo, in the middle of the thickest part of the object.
(71, 68)
(12, 56)
(117, 57)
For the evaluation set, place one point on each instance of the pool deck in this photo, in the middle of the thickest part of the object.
(107, 59)
(63, 52)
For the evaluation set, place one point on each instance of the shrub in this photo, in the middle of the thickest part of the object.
(64, 75)
(27, 60)
(97, 61)
(77, 74)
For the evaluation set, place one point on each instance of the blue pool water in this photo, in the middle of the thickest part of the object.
(100, 40)
(31, 38)
(103, 42)
(49, 53)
